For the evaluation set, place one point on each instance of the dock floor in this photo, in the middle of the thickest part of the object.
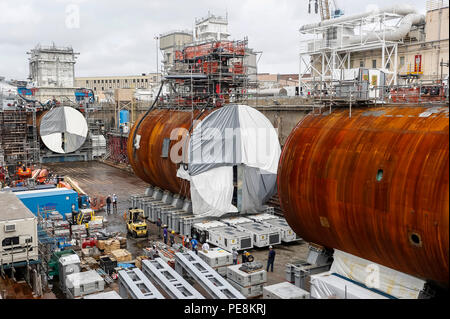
(102, 179)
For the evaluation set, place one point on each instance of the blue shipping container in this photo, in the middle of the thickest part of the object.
(61, 200)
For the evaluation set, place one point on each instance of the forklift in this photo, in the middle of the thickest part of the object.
(84, 216)
(136, 225)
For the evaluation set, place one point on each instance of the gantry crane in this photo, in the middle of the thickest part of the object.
(327, 8)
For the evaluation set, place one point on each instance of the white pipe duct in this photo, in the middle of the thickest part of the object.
(400, 9)
(389, 35)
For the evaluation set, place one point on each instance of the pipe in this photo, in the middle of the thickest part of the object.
(400, 9)
(390, 35)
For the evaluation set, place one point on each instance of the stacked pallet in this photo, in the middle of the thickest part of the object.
(123, 242)
(90, 252)
(79, 231)
(139, 260)
(61, 228)
(90, 262)
(54, 216)
(121, 255)
(95, 226)
(248, 278)
(108, 245)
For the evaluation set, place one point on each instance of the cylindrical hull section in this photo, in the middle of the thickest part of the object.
(375, 185)
(148, 162)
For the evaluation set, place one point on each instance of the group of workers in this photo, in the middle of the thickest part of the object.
(193, 244)
(114, 200)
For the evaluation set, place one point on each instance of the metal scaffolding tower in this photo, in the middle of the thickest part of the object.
(329, 46)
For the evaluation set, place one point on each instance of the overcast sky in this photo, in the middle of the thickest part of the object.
(116, 37)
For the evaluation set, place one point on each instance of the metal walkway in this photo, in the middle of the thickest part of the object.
(135, 284)
(169, 280)
(217, 286)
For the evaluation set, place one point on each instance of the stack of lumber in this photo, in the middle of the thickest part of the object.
(108, 245)
(123, 242)
(121, 255)
(139, 261)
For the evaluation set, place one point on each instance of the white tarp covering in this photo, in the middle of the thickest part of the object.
(63, 130)
(390, 281)
(235, 135)
(345, 74)
(329, 286)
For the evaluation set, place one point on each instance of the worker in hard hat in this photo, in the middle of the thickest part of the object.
(108, 204)
(165, 233)
(114, 202)
(235, 256)
(271, 258)
(245, 255)
(205, 247)
(172, 238)
(194, 244)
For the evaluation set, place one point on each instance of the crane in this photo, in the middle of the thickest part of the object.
(324, 7)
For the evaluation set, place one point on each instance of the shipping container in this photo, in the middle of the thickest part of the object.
(18, 231)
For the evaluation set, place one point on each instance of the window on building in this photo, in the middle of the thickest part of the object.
(134, 80)
(95, 81)
(374, 64)
(110, 81)
(361, 63)
(126, 81)
(102, 81)
(87, 81)
(103, 88)
(114, 81)
(146, 80)
(402, 61)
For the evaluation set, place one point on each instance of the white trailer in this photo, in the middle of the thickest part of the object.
(18, 232)
(287, 234)
(263, 235)
(229, 237)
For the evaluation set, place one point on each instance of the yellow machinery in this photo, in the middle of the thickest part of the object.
(136, 225)
(84, 216)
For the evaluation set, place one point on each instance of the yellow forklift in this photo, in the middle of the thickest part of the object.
(136, 225)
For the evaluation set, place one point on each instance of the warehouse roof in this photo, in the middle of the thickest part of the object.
(12, 208)
(45, 192)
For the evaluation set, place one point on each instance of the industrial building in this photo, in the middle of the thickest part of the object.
(405, 45)
(207, 180)
(52, 72)
(100, 84)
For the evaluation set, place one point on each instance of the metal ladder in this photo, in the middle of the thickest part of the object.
(135, 284)
(169, 280)
(216, 286)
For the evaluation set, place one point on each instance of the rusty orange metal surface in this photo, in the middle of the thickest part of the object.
(147, 161)
(375, 185)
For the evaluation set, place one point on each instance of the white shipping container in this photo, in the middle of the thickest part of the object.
(216, 257)
(84, 283)
(18, 230)
(249, 292)
(246, 279)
